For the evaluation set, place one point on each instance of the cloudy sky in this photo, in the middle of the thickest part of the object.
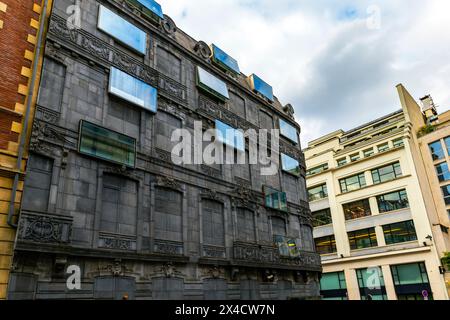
(337, 62)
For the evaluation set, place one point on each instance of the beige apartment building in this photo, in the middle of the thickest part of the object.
(380, 199)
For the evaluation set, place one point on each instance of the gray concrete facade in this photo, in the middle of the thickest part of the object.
(158, 231)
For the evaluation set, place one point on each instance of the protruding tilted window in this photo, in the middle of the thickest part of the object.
(122, 30)
(290, 164)
(212, 84)
(132, 89)
(106, 144)
(230, 136)
(258, 85)
(153, 6)
(289, 131)
(223, 60)
(275, 199)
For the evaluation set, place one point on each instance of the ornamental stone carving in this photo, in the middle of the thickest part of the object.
(203, 50)
(116, 242)
(168, 247)
(45, 228)
(249, 253)
(168, 182)
(168, 25)
(289, 109)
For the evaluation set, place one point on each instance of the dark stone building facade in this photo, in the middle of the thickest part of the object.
(152, 229)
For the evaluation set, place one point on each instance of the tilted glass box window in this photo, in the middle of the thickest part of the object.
(211, 84)
(290, 165)
(106, 144)
(230, 136)
(258, 85)
(289, 131)
(153, 6)
(133, 90)
(122, 30)
(386, 173)
(352, 183)
(393, 201)
(224, 60)
(275, 199)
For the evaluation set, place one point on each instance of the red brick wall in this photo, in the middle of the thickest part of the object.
(13, 43)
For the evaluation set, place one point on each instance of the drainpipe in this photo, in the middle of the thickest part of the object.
(27, 117)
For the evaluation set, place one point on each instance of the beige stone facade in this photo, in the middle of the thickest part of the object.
(377, 203)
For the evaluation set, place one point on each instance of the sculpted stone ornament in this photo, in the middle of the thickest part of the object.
(168, 269)
(203, 50)
(168, 25)
(289, 109)
(168, 182)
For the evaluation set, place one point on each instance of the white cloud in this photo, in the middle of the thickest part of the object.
(321, 57)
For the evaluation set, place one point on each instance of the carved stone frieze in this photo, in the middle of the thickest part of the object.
(116, 242)
(168, 182)
(203, 50)
(168, 247)
(267, 255)
(168, 25)
(45, 228)
(214, 252)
